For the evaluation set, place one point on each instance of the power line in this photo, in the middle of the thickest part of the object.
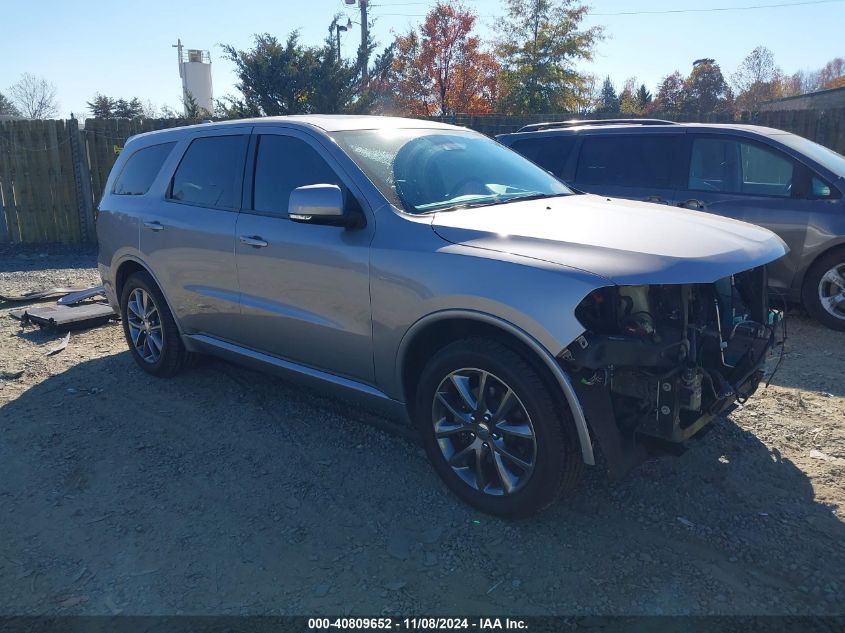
(716, 9)
(780, 5)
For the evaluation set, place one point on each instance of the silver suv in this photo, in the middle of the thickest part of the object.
(520, 327)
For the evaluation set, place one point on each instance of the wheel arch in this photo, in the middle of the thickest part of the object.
(131, 265)
(432, 332)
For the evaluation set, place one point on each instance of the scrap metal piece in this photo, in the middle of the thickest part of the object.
(40, 294)
(58, 348)
(69, 317)
(81, 295)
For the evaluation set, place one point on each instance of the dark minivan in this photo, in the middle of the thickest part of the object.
(781, 181)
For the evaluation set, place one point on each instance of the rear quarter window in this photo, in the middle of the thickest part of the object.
(141, 169)
(549, 152)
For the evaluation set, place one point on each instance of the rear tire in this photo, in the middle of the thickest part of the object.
(823, 283)
(150, 329)
(506, 455)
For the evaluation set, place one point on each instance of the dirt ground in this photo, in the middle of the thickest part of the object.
(224, 491)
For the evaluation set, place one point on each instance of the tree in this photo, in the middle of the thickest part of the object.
(274, 77)
(830, 75)
(441, 68)
(193, 110)
(706, 92)
(335, 83)
(132, 109)
(541, 42)
(670, 95)
(608, 101)
(628, 99)
(586, 94)
(7, 108)
(644, 98)
(101, 107)
(35, 97)
(757, 79)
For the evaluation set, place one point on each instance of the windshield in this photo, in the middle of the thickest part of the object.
(823, 156)
(421, 171)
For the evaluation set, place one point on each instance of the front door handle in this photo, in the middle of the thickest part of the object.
(656, 200)
(253, 240)
(695, 205)
(155, 225)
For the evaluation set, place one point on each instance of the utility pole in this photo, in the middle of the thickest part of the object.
(338, 29)
(365, 53)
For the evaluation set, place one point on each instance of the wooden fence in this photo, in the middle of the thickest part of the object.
(52, 174)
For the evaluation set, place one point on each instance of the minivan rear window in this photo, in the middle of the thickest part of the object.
(211, 171)
(626, 161)
(141, 170)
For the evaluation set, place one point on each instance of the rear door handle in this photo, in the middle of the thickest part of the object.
(656, 200)
(155, 225)
(253, 240)
(692, 204)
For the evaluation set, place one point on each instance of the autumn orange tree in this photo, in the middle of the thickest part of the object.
(441, 68)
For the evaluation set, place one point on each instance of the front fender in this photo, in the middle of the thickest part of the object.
(542, 353)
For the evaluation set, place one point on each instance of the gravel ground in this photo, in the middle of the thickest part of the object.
(224, 491)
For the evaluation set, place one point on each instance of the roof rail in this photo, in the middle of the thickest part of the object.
(575, 122)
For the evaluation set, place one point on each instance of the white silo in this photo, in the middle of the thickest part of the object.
(195, 71)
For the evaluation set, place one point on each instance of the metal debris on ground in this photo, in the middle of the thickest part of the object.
(40, 294)
(67, 317)
(81, 295)
(58, 348)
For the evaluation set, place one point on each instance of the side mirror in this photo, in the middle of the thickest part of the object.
(320, 204)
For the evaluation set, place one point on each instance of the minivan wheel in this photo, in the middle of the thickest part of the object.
(149, 328)
(824, 290)
(490, 428)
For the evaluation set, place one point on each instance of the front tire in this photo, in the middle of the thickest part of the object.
(150, 329)
(824, 290)
(491, 430)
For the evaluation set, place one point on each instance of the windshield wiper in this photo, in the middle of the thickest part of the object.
(489, 202)
(536, 196)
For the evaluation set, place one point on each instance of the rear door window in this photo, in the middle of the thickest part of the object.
(141, 170)
(642, 161)
(731, 165)
(282, 164)
(211, 172)
(549, 152)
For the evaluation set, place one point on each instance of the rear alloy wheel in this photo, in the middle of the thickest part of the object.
(492, 431)
(150, 329)
(144, 323)
(824, 290)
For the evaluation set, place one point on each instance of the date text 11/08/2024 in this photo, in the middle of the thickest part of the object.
(428, 624)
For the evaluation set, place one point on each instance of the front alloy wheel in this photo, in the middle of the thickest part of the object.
(484, 432)
(492, 429)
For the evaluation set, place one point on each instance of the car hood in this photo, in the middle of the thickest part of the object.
(629, 243)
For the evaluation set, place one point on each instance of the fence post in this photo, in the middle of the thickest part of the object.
(82, 179)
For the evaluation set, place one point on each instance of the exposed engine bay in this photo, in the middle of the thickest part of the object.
(663, 360)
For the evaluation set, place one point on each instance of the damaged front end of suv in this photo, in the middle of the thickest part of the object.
(657, 363)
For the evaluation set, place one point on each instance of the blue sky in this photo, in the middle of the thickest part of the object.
(123, 49)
